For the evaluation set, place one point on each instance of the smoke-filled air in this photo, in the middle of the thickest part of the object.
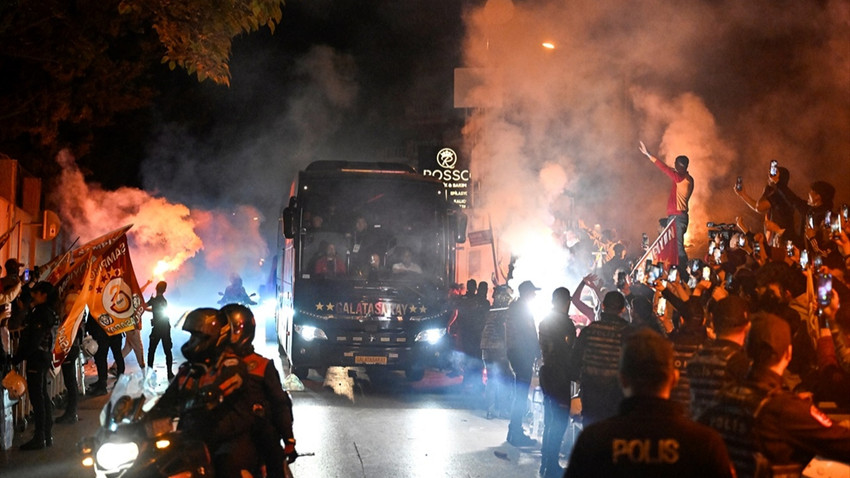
(730, 84)
(194, 249)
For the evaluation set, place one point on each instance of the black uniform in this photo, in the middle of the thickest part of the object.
(766, 425)
(160, 331)
(716, 365)
(650, 437)
(595, 363)
(209, 400)
(35, 347)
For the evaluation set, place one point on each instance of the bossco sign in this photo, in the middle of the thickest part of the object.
(456, 181)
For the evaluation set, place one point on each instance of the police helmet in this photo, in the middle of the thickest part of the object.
(209, 331)
(242, 327)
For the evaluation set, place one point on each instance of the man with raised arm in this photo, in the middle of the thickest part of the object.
(680, 194)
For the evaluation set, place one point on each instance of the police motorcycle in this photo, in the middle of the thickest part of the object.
(235, 293)
(133, 443)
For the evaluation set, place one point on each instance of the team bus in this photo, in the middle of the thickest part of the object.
(367, 265)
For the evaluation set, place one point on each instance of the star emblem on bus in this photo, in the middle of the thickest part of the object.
(320, 306)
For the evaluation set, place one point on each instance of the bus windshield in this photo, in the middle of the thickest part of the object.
(373, 229)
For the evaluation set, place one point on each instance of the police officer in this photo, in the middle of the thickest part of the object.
(263, 394)
(767, 428)
(206, 394)
(722, 362)
(160, 327)
(557, 335)
(594, 360)
(651, 436)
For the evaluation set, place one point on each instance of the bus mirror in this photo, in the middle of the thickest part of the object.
(460, 232)
(290, 225)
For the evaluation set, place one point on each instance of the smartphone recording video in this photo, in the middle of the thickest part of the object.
(739, 183)
(673, 275)
(774, 168)
(621, 279)
(706, 273)
(824, 289)
(729, 285)
(661, 307)
(789, 249)
(804, 258)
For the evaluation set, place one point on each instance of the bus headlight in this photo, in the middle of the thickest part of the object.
(112, 456)
(432, 336)
(309, 332)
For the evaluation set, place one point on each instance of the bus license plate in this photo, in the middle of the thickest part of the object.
(370, 360)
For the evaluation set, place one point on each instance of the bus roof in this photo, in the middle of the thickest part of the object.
(360, 167)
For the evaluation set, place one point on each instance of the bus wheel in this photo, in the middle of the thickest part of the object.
(414, 374)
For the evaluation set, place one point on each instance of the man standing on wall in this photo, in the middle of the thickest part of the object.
(680, 194)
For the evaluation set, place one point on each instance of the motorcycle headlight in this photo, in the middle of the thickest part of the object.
(309, 333)
(432, 336)
(112, 456)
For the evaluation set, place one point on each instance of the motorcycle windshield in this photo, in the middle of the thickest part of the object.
(133, 385)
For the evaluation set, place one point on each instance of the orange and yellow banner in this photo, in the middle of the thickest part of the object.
(101, 280)
(114, 297)
(95, 246)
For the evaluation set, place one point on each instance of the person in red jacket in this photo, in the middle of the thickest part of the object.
(680, 194)
(330, 264)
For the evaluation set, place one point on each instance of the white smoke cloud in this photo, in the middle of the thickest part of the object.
(729, 84)
(210, 243)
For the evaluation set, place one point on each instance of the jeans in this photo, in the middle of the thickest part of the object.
(522, 383)
(104, 345)
(497, 391)
(69, 375)
(681, 220)
(556, 418)
(42, 405)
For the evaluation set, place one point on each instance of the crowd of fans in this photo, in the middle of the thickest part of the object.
(759, 341)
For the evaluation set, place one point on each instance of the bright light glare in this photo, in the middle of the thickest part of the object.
(548, 45)
(111, 456)
(88, 462)
(161, 444)
(309, 333)
(432, 336)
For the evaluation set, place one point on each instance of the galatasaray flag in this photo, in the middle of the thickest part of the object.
(664, 249)
(114, 297)
(95, 246)
(73, 301)
(74, 279)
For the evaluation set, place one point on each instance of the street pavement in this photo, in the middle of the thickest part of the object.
(366, 426)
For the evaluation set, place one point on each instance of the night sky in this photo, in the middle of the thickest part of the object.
(731, 84)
